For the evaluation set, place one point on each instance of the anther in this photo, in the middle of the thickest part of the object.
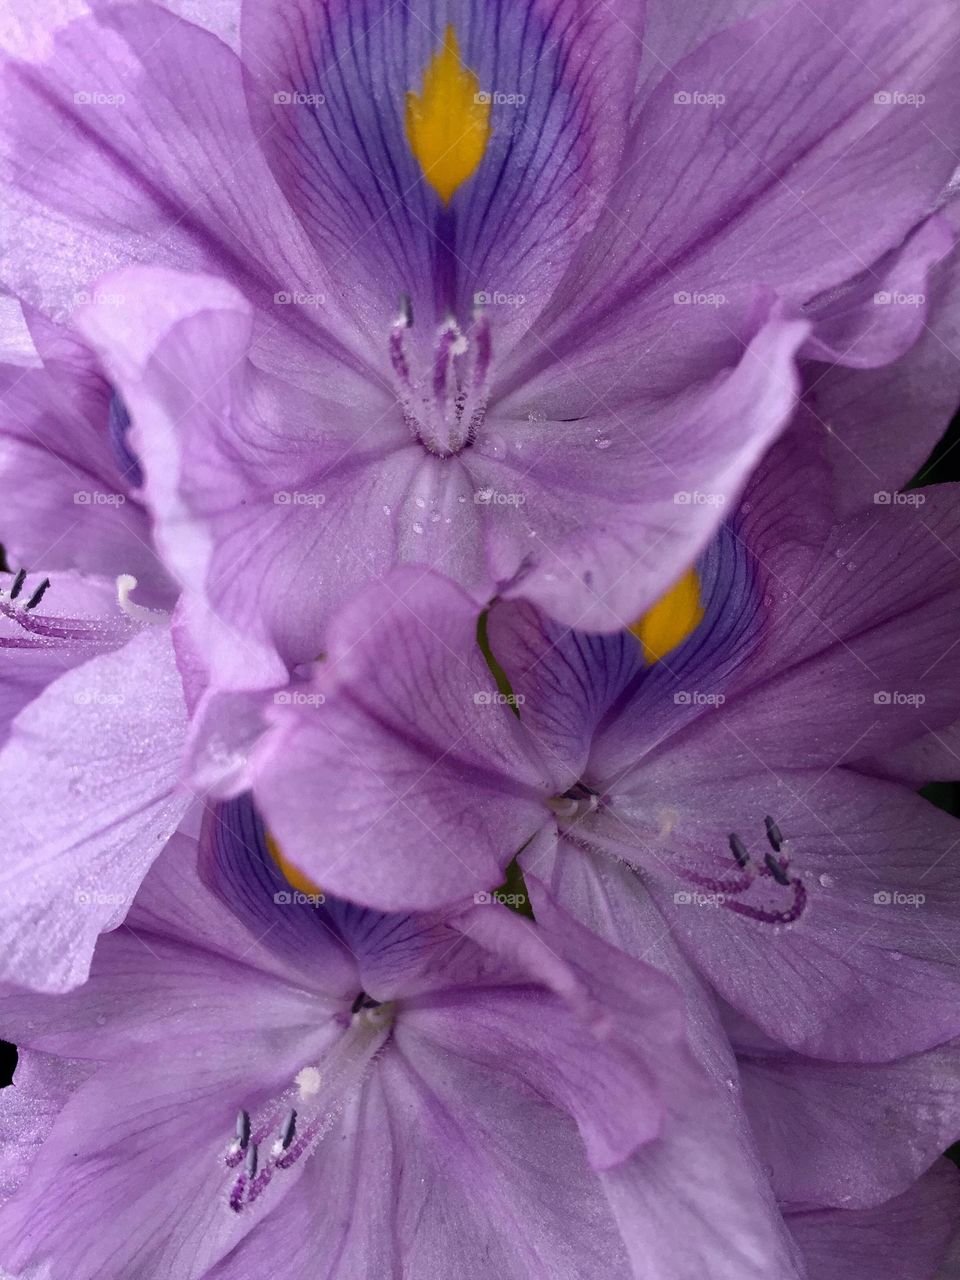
(773, 834)
(738, 849)
(405, 318)
(288, 1130)
(38, 595)
(18, 582)
(243, 1129)
(250, 1168)
(776, 870)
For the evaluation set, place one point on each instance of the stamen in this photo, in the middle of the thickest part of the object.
(38, 595)
(18, 582)
(319, 1098)
(738, 849)
(243, 1130)
(576, 803)
(773, 834)
(443, 405)
(729, 889)
(288, 1132)
(776, 869)
(126, 584)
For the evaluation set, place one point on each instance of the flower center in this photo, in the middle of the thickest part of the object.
(299, 1118)
(575, 805)
(443, 396)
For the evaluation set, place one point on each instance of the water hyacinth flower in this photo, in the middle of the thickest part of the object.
(723, 770)
(254, 1073)
(92, 715)
(485, 309)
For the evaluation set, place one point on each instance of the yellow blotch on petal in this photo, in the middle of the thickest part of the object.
(448, 122)
(293, 875)
(668, 623)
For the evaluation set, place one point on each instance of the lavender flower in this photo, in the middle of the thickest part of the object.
(252, 1074)
(554, 325)
(734, 757)
(92, 716)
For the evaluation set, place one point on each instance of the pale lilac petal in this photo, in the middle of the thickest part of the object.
(877, 927)
(91, 771)
(850, 1136)
(908, 1237)
(421, 779)
(42, 1085)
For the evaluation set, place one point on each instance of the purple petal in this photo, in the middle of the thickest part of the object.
(400, 752)
(328, 93)
(877, 926)
(908, 1237)
(652, 510)
(853, 1137)
(778, 183)
(90, 771)
(29, 1106)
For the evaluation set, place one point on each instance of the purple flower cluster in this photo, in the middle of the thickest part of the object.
(469, 648)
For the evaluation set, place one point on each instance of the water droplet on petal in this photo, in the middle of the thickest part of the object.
(826, 880)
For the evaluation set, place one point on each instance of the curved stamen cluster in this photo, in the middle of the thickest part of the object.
(15, 591)
(575, 804)
(300, 1117)
(445, 410)
(775, 866)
